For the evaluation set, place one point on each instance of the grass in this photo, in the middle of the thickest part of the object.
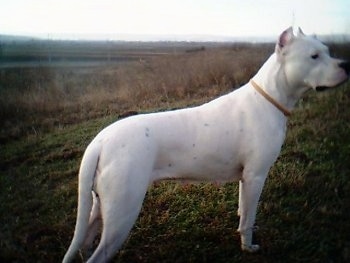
(303, 212)
(39, 99)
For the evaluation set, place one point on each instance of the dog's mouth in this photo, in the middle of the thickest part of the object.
(321, 88)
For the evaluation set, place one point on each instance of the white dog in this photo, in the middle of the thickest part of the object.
(236, 137)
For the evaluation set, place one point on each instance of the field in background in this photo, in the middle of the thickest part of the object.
(35, 99)
(50, 111)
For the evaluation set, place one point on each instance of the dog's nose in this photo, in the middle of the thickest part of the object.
(346, 66)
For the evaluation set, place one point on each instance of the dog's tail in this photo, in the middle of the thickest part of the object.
(86, 180)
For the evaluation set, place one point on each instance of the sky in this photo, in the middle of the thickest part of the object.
(118, 19)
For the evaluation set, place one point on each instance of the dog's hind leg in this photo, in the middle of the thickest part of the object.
(239, 198)
(95, 222)
(121, 201)
(117, 223)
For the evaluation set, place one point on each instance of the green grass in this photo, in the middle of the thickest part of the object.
(303, 213)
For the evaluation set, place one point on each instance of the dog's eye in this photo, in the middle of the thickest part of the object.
(315, 56)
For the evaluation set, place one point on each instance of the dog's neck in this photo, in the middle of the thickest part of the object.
(269, 75)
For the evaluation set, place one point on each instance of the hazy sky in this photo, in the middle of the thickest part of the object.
(169, 17)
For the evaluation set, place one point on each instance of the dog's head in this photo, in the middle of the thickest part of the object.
(306, 62)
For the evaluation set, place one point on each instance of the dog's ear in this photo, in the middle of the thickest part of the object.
(300, 32)
(285, 38)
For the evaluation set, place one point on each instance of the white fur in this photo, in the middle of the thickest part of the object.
(236, 137)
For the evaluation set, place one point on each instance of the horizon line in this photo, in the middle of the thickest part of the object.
(156, 37)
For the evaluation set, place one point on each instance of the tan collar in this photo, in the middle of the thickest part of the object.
(283, 109)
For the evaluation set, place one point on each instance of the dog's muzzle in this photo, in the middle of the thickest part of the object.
(345, 65)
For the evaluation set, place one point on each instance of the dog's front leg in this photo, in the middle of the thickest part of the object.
(250, 190)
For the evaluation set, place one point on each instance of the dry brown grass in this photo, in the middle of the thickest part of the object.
(35, 100)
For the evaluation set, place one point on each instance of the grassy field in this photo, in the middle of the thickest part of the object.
(49, 115)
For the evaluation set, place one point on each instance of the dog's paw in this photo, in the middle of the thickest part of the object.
(250, 248)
